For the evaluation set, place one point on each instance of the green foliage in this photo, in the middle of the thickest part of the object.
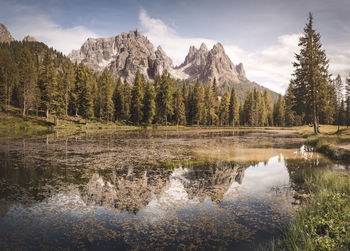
(119, 101)
(233, 109)
(137, 95)
(42, 81)
(279, 112)
(224, 109)
(149, 108)
(311, 77)
(84, 85)
(179, 108)
(106, 85)
(323, 221)
(165, 86)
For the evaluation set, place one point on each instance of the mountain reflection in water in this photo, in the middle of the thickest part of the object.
(202, 205)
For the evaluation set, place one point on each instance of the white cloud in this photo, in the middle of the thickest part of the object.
(174, 45)
(271, 67)
(339, 60)
(23, 20)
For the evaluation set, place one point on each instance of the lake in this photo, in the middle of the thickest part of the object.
(167, 190)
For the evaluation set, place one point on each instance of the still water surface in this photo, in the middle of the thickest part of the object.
(145, 190)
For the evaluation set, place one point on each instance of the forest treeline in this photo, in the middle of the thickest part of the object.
(42, 81)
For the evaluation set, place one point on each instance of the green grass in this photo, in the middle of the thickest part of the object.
(327, 143)
(323, 220)
(19, 127)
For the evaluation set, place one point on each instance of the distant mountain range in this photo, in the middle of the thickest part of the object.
(127, 53)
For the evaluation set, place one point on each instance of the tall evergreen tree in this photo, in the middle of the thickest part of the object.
(27, 80)
(347, 93)
(279, 112)
(149, 108)
(137, 94)
(127, 101)
(290, 115)
(249, 109)
(224, 110)
(106, 85)
(179, 108)
(119, 100)
(164, 98)
(269, 107)
(234, 109)
(311, 72)
(84, 85)
(68, 82)
(209, 105)
(198, 103)
(216, 102)
(8, 76)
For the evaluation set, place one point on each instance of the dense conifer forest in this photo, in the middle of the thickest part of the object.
(43, 82)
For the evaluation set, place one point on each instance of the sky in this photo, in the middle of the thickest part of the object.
(262, 34)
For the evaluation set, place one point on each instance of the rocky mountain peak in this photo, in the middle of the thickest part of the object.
(127, 53)
(219, 48)
(5, 35)
(203, 47)
(240, 69)
(206, 65)
(123, 55)
(29, 39)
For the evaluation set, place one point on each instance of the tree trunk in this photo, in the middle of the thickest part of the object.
(47, 113)
(315, 118)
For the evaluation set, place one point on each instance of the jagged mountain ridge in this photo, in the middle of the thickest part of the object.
(123, 55)
(5, 35)
(126, 53)
(206, 65)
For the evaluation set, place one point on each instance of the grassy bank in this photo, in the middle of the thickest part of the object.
(14, 125)
(323, 220)
(331, 141)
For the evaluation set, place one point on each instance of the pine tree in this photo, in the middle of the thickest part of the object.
(215, 102)
(68, 82)
(84, 85)
(106, 83)
(347, 93)
(149, 108)
(8, 76)
(269, 107)
(311, 73)
(290, 115)
(224, 109)
(233, 109)
(185, 97)
(164, 98)
(279, 112)
(56, 102)
(119, 100)
(27, 80)
(338, 89)
(249, 109)
(198, 103)
(127, 101)
(209, 105)
(260, 109)
(179, 108)
(137, 94)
